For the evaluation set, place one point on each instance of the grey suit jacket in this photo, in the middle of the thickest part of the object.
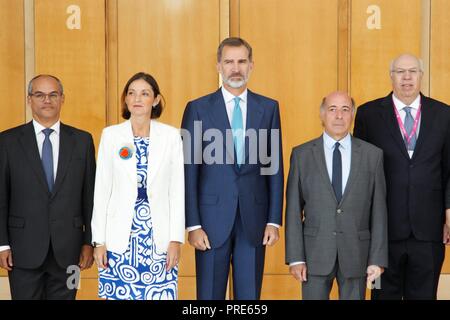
(319, 229)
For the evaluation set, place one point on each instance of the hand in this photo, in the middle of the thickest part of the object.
(173, 255)
(271, 235)
(373, 272)
(299, 271)
(199, 240)
(6, 261)
(86, 257)
(446, 236)
(100, 257)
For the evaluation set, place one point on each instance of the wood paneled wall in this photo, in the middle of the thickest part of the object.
(302, 50)
(12, 77)
(76, 56)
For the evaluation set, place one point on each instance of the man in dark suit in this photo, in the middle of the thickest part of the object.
(336, 216)
(234, 195)
(414, 133)
(47, 172)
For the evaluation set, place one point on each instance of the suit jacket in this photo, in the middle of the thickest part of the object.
(116, 187)
(30, 216)
(418, 188)
(318, 228)
(215, 191)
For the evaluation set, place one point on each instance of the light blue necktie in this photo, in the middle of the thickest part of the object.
(409, 123)
(237, 128)
(47, 158)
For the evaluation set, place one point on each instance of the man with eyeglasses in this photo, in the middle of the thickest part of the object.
(414, 132)
(47, 172)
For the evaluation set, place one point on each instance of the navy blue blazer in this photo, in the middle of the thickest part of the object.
(214, 191)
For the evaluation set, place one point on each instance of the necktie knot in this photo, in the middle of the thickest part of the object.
(407, 110)
(47, 132)
(337, 145)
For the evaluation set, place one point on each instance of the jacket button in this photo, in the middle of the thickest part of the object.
(334, 233)
(339, 211)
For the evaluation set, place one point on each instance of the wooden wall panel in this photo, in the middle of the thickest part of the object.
(77, 57)
(373, 49)
(295, 53)
(440, 65)
(176, 42)
(12, 77)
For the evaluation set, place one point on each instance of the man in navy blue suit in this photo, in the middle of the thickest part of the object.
(234, 178)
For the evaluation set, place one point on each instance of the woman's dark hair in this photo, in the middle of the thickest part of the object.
(156, 110)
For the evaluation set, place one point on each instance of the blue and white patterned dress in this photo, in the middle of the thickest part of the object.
(140, 272)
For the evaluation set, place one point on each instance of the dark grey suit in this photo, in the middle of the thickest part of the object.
(336, 238)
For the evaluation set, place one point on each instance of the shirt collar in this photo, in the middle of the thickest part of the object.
(39, 127)
(399, 105)
(228, 96)
(329, 142)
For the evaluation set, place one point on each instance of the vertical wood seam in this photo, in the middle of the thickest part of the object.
(29, 48)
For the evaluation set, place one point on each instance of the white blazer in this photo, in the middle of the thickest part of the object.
(116, 187)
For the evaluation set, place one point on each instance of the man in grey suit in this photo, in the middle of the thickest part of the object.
(336, 216)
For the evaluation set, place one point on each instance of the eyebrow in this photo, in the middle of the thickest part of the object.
(54, 91)
(129, 89)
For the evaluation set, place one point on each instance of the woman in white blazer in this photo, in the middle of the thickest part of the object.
(138, 217)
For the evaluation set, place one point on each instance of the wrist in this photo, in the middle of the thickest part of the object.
(97, 244)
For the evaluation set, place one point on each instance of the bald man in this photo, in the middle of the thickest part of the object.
(414, 133)
(336, 216)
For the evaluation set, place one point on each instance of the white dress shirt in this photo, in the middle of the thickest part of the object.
(414, 108)
(54, 139)
(345, 148)
(228, 98)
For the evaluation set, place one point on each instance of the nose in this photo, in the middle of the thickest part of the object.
(47, 98)
(407, 74)
(339, 114)
(137, 98)
(235, 67)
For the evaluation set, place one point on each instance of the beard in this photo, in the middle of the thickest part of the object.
(235, 84)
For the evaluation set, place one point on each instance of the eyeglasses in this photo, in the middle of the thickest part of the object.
(52, 96)
(401, 72)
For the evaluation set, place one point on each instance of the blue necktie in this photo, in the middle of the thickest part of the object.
(409, 123)
(47, 158)
(336, 179)
(237, 128)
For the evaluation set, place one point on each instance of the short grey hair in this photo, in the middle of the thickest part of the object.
(391, 66)
(30, 84)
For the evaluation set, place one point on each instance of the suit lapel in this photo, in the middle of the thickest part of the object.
(66, 146)
(126, 139)
(426, 124)
(390, 120)
(29, 145)
(355, 163)
(319, 157)
(156, 150)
